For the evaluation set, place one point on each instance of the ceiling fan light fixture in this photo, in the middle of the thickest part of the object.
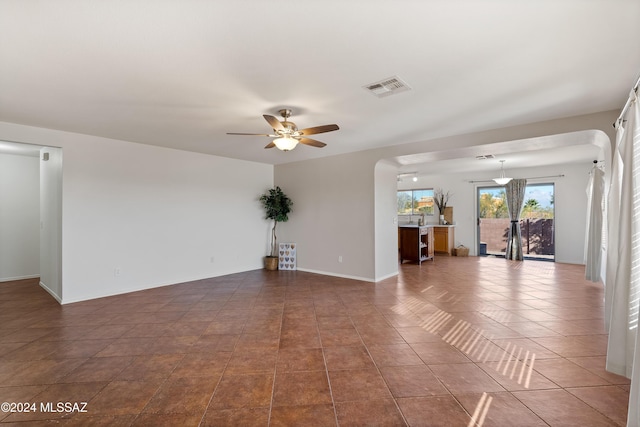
(503, 179)
(285, 143)
(287, 135)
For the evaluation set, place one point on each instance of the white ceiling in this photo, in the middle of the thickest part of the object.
(183, 73)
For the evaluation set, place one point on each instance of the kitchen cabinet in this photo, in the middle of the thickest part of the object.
(415, 243)
(443, 236)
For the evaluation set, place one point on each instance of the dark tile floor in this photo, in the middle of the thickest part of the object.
(459, 342)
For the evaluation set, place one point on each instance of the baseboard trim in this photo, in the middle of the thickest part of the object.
(56, 297)
(11, 279)
(343, 276)
(388, 276)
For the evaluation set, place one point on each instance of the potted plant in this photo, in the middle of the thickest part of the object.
(440, 198)
(277, 206)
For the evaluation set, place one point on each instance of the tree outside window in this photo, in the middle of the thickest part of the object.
(494, 204)
(416, 202)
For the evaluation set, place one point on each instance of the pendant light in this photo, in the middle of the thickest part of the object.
(503, 180)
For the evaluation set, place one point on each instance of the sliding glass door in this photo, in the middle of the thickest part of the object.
(536, 221)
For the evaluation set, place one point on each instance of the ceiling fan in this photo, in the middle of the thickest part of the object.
(287, 135)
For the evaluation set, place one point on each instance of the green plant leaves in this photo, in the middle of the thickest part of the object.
(277, 205)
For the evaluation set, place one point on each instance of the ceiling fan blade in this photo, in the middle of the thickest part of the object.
(255, 134)
(312, 142)
(270, 145)
(319, 129)
(275, 123)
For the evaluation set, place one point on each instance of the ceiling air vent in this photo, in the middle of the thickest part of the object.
(388, 86)
(485, 157)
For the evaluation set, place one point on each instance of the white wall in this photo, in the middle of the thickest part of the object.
(19, 217)
(570, 204)
(137, 216)
(51, 221)
(332, 215)
(386, 223)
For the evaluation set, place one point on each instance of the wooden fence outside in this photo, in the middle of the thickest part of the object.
(537, 235)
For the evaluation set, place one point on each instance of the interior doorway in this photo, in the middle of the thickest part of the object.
(42, 257)
(536, 221)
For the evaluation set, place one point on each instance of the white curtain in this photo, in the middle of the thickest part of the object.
(613, 212)
(593, 246)
(515, 198)
(622, 296)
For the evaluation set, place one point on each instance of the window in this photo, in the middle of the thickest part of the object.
(415, 202)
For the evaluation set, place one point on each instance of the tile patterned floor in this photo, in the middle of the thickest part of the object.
(459, 342)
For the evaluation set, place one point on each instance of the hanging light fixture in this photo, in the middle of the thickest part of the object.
(503, 180)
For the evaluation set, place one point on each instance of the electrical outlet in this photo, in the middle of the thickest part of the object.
(339, 258)
(117, 272)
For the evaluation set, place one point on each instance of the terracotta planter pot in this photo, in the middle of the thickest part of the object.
(271, 262)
